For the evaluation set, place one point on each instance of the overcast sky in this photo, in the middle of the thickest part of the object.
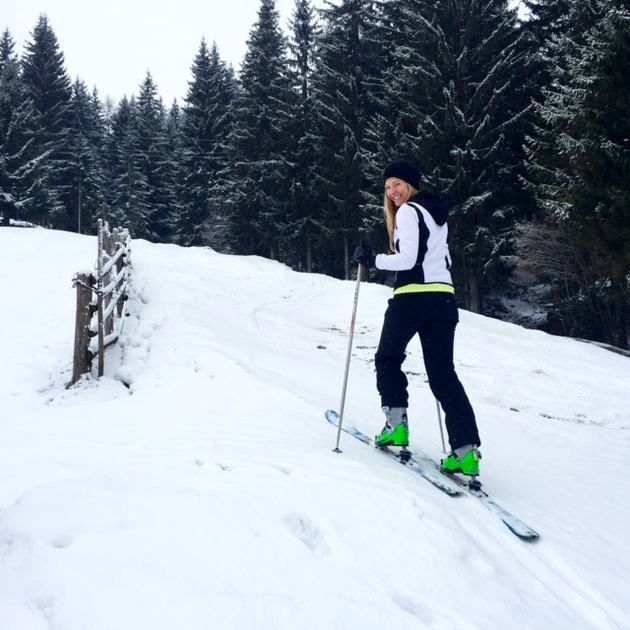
(111, 44)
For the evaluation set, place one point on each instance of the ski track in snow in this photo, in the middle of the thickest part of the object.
(195, 485)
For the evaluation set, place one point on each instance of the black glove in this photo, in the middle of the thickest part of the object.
(363, 255)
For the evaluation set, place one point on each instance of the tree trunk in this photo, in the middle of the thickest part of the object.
(472, 286)
(621, 324)
(473, 290)
(619, 305)
(346, 257)
(309, 254)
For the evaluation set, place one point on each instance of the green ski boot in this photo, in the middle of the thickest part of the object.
(393, 436)
(467, 464)
(396, 430)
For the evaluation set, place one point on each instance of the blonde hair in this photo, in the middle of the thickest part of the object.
(389, 210)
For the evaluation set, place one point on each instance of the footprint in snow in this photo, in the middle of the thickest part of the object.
(285, 470)
(306, 530)
(301, 474)
(412, 607)
(61, 541)
(46, 606)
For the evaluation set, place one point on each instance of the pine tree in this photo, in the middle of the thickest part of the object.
(128, 186)
(254, 188)
(457, 104)
(47, 86)
(303, 220)
(83, 193)
(348, 66)
(101, 112)
(14, 112)
(556, 26)
(151, 143)
(385, 137)
(582, 169)
(546, 22)
(205, 128)
(175, 157)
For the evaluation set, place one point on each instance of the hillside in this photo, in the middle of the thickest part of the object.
(195, 487)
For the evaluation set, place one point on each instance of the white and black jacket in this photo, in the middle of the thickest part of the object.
(422, 260)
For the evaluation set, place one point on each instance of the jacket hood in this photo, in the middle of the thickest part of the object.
(436, 206)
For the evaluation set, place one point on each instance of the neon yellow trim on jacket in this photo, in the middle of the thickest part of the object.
(430, 287)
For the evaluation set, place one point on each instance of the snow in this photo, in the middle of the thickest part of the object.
(16, 223)
(194, 485)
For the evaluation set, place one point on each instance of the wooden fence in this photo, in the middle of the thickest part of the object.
(103, 295)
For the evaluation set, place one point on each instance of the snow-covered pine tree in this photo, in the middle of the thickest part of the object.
(7, 58)
(455, 94)
(384, 136)
(555, 25)
(348, 65)
(564, 290)
(303, 218)
(84, 189)
(14, 109)
(157, 167)
(546, 20)
(102, 112)
(174, 152)
(582, 165)
(47, 85)
(255, 187)
(128, 187)
(205, 128)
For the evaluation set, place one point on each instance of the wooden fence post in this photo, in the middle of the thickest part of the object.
(110, 288)
(120, 239)
(82, 334)
(99, 300)
(109, 249)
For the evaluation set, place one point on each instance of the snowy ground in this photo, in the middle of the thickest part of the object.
(195, 486)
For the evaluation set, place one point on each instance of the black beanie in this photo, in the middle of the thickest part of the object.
(405, 170)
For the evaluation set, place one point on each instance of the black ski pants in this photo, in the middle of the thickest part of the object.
(434, 317)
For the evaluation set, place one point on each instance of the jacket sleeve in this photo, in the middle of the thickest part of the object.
(407, 237)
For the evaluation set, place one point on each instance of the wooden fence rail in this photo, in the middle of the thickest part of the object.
(103, 294)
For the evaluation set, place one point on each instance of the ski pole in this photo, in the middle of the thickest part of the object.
(439, 414)
(349, 353)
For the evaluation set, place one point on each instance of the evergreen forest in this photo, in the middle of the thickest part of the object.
(521, 123)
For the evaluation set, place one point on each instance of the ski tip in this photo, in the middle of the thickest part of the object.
(522, 531)
(528, 536)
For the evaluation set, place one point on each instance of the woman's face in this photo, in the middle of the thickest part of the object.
(397, 190)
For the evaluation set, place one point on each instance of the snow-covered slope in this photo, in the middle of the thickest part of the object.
(195, 485)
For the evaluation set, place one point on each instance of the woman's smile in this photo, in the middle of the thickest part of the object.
(397, 190)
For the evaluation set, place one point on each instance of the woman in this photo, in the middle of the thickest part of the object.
(423, 303)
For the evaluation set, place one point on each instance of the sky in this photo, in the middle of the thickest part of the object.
(112, 44)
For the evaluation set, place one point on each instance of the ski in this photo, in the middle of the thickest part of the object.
(443, 485)
(419, 463)
(513, 523)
